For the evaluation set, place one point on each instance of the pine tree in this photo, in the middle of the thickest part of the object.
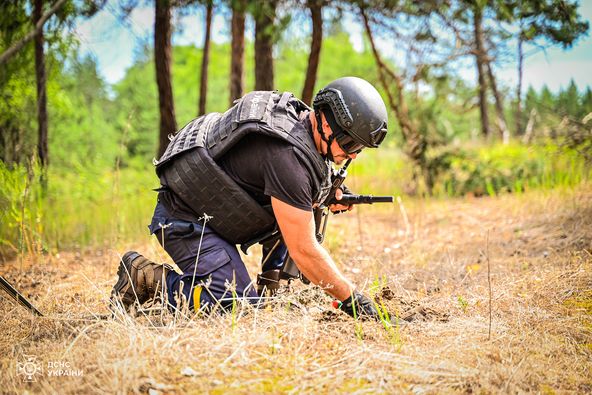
(586, 107)
(568, 101)
(546, 99)
(532, 100)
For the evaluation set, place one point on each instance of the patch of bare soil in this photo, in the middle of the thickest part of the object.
(432, 274)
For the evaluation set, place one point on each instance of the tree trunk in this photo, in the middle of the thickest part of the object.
(264, 25)
(316, 12)
(519, 87)
(205, 60)
(529, 132)
(162, 61)
(499, 105)
(238, 50)
(11, 143)
(480, 61)
(42, 146)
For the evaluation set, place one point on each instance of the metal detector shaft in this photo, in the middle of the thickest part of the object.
(16, 295)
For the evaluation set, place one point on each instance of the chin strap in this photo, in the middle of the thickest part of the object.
(329, 140)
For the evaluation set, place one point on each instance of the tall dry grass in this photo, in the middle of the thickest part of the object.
(430, 273)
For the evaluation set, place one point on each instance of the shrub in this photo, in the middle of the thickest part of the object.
(494, 169)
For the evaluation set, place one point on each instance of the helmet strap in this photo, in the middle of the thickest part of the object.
(327, 141)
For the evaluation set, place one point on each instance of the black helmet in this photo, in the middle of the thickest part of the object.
(355, 112)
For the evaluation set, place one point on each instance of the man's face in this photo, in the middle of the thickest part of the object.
(339, 155)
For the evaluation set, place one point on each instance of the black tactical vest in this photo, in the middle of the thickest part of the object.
(188, 167)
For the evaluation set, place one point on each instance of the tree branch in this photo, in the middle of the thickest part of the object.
(415, 143)
(38, 26)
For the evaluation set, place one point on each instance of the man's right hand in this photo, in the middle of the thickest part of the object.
(360, 307)
(298, 230)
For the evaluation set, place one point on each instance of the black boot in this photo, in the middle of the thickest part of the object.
(268, 282)
(139, 280)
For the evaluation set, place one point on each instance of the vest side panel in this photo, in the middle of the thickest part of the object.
(202, 185)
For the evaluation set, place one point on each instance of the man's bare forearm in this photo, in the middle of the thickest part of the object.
(298, 229)
(316, 264)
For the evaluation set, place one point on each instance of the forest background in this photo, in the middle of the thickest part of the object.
(482, 268)
(76, 152)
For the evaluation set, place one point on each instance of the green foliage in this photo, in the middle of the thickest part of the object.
(462, 303)
(568, 100)
(83, 206)
(16, 104)
(102, 139)
(443, 115)
(587, 101)
(564, 116)
(136, 98)
(490, 170)
(19, 209)
(17, 76)
(82, 133)
(90, 206)
(577, 136)
(136, 117)
(472, 169)
(557, 21)
(17, 86)
(379, 172)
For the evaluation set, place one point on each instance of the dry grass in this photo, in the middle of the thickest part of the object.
(434, 276)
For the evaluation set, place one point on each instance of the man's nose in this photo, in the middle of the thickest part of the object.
(354, 155)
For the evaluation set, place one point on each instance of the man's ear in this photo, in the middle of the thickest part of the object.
(326, 128)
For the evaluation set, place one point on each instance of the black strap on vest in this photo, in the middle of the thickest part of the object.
(328, 141)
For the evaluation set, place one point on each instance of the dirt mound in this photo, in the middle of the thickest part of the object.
(408, 308)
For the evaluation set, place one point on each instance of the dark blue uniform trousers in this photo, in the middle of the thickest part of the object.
(220, 273)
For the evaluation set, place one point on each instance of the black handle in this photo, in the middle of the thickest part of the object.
(349, 199)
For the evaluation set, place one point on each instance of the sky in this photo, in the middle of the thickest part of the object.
(115, 45)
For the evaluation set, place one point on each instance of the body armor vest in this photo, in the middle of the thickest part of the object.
(188, 166)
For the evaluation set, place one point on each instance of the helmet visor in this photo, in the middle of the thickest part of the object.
(378, 135)
(348, 144)
(352, 146)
